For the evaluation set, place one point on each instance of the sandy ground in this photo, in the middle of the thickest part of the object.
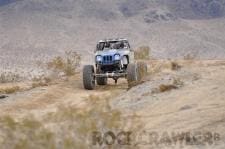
(197, 105)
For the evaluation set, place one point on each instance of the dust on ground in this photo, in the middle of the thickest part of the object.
(196, 103)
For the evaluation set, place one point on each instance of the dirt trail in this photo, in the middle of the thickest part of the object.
(198, 104)
(45, 99)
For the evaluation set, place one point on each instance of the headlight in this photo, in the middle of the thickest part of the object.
(117, 57)
(98, 58)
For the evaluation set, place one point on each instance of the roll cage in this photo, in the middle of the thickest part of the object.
(112, 44)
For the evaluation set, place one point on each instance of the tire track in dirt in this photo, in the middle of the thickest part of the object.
(44, 99)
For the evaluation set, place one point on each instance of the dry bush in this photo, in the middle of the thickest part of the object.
(134, 83)
(189, 57)
(10, 90)
(67, 65)
(24, 134)
(68, 127)
(39, 82)
(158, 66)
(178, 82)
(142, 53)
(8, 77)
(168, 87)
(155, 68)
(175, 66)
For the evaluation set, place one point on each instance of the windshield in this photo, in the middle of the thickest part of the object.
(112, 45)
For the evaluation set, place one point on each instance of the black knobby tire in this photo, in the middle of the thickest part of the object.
(101, 81)
(88, 77)
(142, 70)
(132, 74)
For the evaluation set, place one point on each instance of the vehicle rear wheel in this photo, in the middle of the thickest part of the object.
(142, 70)
(101, 81)
(132, 74)
(88, 77)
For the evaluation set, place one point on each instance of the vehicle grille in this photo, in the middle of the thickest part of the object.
(107, 59)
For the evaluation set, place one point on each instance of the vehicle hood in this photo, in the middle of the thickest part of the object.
(112, 52)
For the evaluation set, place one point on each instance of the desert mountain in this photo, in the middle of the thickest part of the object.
(32, 30)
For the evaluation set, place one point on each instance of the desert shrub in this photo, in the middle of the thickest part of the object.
(9, 90)
(41, 81)
(134, 83)
(67, 65)
(178, 82)
(175, 66)
(38, 84)
(189, 57)
(175, 83)
(24, 134)
(67, 127)
(168, 87)
(7, 77)
(142, 53)
(157, 66)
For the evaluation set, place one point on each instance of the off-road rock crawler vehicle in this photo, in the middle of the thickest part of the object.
(113, 59)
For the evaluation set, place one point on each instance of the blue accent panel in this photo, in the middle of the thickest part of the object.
(107, 59)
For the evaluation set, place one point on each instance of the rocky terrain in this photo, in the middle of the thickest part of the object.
(183, 91)
(188, 99)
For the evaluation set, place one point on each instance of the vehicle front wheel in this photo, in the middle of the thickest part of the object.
(88, 77)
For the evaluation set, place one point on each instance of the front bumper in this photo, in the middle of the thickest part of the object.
(109, 67)
(112, 75)
(103, 63)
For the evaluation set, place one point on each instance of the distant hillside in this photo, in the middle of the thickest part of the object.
(188, 9)
(5, 2)
(197, 9)
(32, 30)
